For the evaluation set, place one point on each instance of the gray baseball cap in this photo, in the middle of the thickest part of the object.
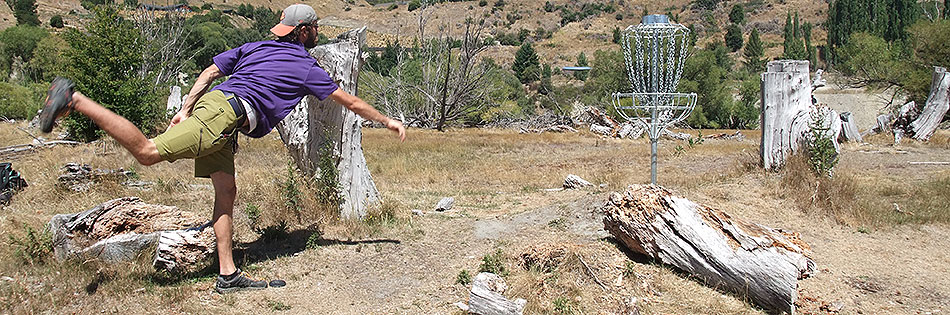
(292, 16)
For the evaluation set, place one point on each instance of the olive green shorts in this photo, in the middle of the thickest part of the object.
(207, 136)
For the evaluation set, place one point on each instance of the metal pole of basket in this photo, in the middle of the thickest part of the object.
(654, 63)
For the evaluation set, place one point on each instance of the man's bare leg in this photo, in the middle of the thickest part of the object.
(119, 128)
(225, 191)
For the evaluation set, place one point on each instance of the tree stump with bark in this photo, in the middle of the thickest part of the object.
(752, 260)
(788, 112)
(125, 228)
(317, 130)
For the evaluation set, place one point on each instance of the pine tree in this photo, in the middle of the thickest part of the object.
(25, 12)
(733, 37)
(946, 9)
(527, 67)
(581, 62)
(616, 38)
(793, 46)
(737, 15)
(810, 50)
(754, 52)
(787, 33)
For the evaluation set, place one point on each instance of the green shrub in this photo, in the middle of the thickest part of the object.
(563, 305)
(494, 263)
(56, 21)
(482, 3)
(413, 5)
(34, 246)
(20, 102)
(103, 62)
(463, 278)
(820, 146)
(19, 42)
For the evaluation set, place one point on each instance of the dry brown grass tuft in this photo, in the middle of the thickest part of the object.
(830, 196)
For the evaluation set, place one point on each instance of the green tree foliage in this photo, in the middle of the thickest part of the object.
(18, 42)
(754, 51)
(48, 59)
(608, 74)
(576, 12)
(56, 21)
(20, 102)
(737, 14)
(103, 63)
(413, 5)
(733, 37)
(887, 19)
(546, 85)
(526, 66)
(946, 9)
(707, 73)
(24, 11)
(383, 63)
(793, 45)
(581, 62)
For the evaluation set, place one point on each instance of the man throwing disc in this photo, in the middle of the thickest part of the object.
(267, 80)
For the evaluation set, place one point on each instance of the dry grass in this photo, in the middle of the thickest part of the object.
(492, 174)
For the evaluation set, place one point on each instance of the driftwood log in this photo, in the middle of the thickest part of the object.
(748, 259)
(788, 112)
(327, 128)
(486, 297)
(125, 228)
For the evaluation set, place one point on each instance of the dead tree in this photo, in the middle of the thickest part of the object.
(166, 52)
(327, 130)
(748, 259)
(450, 85)
(787, 112)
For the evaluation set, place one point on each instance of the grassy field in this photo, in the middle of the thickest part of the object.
(503, 220)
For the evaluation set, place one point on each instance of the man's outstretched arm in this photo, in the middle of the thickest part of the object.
(201, 86)
(363, 109)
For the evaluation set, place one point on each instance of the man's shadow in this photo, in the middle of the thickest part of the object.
(287, 244)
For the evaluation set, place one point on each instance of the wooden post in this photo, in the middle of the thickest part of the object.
(748, 259)
(308, 130)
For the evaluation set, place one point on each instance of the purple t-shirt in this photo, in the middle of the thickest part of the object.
(272, 76)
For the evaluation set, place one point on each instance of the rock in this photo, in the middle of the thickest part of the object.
(174, 100)
(445, 204)
(575, 182)
(418, 212)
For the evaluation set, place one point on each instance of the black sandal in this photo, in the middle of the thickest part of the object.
(59, 100)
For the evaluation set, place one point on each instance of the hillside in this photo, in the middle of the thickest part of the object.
(561, 49)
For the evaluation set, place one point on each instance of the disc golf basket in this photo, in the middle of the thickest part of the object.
(654, 53)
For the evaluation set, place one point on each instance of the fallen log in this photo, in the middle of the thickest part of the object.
(748, 259)
(125, 228)
(486, 299)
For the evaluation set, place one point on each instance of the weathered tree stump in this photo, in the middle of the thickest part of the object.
(748, 259)
(938, 102)
(787, 112)
(313, 132)
(125, 228)
(849, 129)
